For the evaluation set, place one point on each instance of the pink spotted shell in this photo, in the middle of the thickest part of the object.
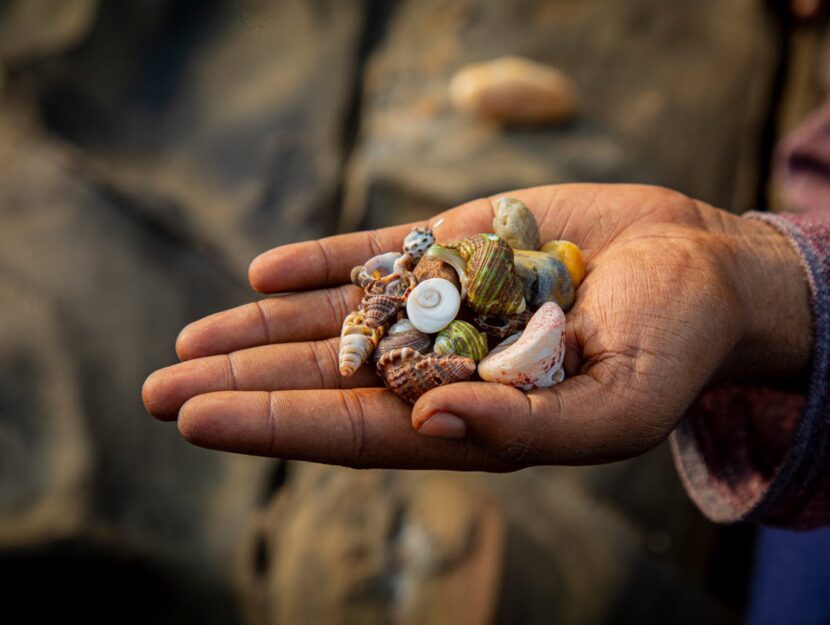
(533, 358)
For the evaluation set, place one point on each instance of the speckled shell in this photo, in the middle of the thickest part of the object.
(417, 242)
(357, 341)
(403, 334)
(515, 224)
(374, 268)
(570, 254)
(462, 338)
(432, 305)
(544, 278)
(410, 374)
(502, 327)
(494, 288)
(533, 358)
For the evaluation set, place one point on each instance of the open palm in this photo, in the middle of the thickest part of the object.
(670, 299)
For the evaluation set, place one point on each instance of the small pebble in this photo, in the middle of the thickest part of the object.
(571, 257)
(514, 223)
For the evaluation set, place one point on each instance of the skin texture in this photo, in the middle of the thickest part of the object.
(677, 294)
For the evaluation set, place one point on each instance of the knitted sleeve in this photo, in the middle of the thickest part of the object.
(763, 454)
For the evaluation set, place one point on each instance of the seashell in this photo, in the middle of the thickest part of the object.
(545, 279)
(403, 334)
(374, 268)
(515, 224)
(357, 340)
(533, 358)
(462, 338)
(418, 241)
(410, 374)
(429, 267)
(493, 286)
(454, 260)
(433, 304)
(571, 256)
(379, 308)
(513, 90)
(502, 327)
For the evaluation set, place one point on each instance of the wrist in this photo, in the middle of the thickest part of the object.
(774, 303)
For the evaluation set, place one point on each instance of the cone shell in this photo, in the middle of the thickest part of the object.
(493, 286)
(357, 341)
(544, 278)
(514, 223)
(418, 241)
(410, 374)
(533, 358)
(571, 256)
(462, 338)
(403, 334)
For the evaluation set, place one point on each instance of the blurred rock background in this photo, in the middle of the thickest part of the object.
(148, 150)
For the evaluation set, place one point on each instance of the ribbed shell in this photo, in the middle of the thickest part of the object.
(378, 309)
(410, 374)
(463, 339)
(403, 334)
(357, 341)
(494, 288)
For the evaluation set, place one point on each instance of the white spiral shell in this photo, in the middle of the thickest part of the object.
(357, 342)
(533, 358)
(433, 304)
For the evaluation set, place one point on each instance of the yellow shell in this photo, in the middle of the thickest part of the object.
(571, 256)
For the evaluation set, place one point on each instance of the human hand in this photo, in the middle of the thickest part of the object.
(676, 294)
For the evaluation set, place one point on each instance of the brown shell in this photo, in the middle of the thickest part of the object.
(502, 327)
(412, 338)
(379, 309)
(410, 374)
(432, 268)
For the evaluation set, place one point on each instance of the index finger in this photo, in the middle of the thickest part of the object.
(329, 261)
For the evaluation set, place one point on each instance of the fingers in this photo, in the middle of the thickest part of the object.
(362, 428)
(311, 365)
(578, 421)
(329, 261)
(296, 317)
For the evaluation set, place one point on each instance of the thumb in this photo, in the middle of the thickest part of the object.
(585, 419)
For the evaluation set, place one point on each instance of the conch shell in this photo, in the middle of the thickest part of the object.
(514, 223)
(493, 286)
(410, 374)
(533, 358)
(545, 279)
(462, 338)
(418, 241)
(357, 340)
(403, 334)
(433, 304)
(374, 268)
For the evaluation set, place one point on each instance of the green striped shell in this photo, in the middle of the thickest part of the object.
(494, 288)
(462, 338)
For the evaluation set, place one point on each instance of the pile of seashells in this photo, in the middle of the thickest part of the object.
(429, 314)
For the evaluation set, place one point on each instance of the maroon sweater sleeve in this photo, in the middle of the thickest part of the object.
(763, 454)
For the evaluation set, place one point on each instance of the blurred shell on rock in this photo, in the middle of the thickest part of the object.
(514, 223)
(410, 374)
(514, 90)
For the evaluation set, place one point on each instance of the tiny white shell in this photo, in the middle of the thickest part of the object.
(433, 304)
(533, 358)
(374, 268)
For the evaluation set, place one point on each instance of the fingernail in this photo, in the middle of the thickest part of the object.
(443, 425)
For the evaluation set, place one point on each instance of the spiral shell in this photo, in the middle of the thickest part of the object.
(571, 256)
(357, 340)
(545, 279)
(502, 327)
(410, 374)
(432, 305)
(514, 223)
(418, 241)
(440, 254)
(462, 338)
(494, 288)
(533, 358)
(378, 309)
(374, 268)
(403, 334)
